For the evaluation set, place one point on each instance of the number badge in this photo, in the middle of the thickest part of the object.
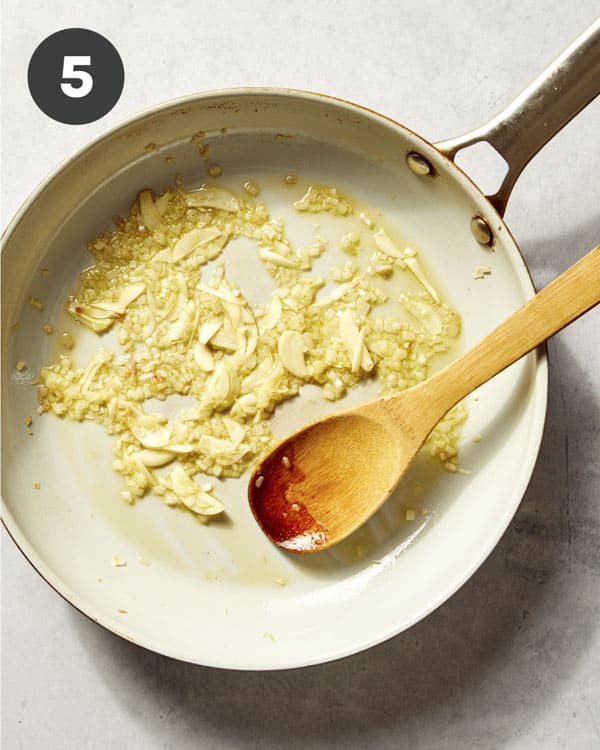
(75, 76)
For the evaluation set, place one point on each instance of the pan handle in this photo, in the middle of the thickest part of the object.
(534, 117)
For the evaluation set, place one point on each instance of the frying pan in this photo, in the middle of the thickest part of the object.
(221, 595)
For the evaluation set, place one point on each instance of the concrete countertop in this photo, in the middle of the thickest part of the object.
(513, 659)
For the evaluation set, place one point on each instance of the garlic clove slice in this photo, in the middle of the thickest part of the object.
(425, 314)
(249, 336)
(203, 357)
(257, 376)
(415, 267)
(180, 449)
(163, 256)
(194, 240)
(386, 245)
(336, 294)
(291, 352)
(93, 317)
(277, 259)
(271, 317)
(155, 458)
(221, 293)
(236, 431)
(209, 196)
(208, 330)
(192, 495)
(354, 342)
(225, 451)
(149, 432)
(150, 214)
(162, 202)
(225, 339)
(130, 293)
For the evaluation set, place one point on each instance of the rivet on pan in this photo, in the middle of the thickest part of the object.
(417, 163)
(481, 230)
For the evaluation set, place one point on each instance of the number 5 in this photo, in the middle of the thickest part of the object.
(69, 71)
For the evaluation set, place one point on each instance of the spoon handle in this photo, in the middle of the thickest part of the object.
(562, 301)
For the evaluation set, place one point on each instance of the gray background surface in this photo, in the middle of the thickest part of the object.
(513, 659)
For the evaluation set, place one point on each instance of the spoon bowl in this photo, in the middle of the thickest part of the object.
(350, 455)
(324, 481)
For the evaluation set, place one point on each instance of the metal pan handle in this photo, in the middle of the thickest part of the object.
(549, 103)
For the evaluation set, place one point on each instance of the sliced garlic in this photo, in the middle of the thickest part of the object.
(164, 256)
(144, 470)
(362, 308)
(271, 317)
(185, 324)
(415, 267)
(155, 458)
(222, 387)
(337, 293)
(179, 448)
(277, 259)
(105, 309)
(130, 293)
(98, 318)
(214, 248)
(354, 341)
(290, 303)
(357, 355)
(236, 431)
(386, 245)
(257, 376)
(193, 240)
(291, 352)
(150, 214)
(208, 330)
(209, 196)
(149, 431)
(180, 301)
(221, 293)
(211, 445)
(193, 496)
(226, 451)
(162, 202)
(244, 406)
(249, 338)
(203, 357)
(424, 313)
(101, 357)
(225, 338)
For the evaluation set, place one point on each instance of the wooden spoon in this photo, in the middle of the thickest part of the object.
(320, 484)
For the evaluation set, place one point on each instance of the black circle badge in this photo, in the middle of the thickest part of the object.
(75, 76)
